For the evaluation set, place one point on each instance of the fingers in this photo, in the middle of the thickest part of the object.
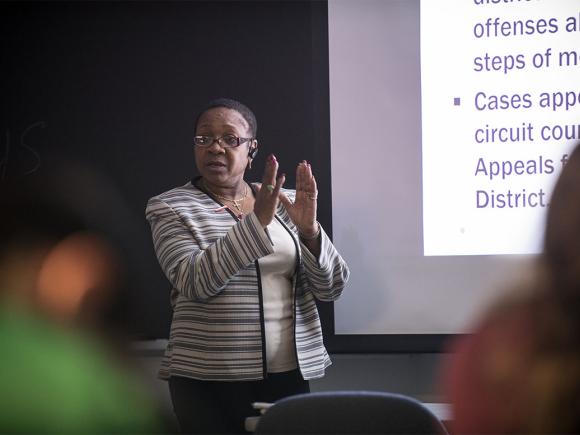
(267, 198)
(313, 188)
(305, 182)
(303, 175)
(308, 179)
(300, 176)
(270, 171)
(302, 210)
(270, 181)
(278, 185)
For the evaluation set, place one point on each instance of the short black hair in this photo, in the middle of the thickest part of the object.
(241, 108)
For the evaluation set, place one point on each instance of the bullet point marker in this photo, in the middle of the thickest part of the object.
(457, 101)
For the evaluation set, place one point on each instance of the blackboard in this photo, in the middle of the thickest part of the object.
(117, 85)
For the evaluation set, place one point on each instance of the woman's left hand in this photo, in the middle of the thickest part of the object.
(303, 210)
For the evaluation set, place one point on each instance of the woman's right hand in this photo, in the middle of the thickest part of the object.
(267, 196)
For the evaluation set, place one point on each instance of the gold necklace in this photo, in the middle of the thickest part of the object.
(238, 203)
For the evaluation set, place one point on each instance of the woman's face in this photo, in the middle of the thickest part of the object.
(223, 167)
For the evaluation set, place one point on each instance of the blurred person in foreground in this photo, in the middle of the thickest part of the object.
(520, 371)
(246, 262)
(62, 368)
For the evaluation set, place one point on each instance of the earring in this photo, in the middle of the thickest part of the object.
(249, 163)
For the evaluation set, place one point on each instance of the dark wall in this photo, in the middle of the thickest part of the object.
(117, 86)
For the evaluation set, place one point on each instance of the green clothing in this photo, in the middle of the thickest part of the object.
(54, 380)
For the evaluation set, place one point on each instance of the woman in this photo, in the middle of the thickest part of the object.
(246, 262)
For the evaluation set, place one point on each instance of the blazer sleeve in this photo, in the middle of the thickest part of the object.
(327, 274)
(197, 273)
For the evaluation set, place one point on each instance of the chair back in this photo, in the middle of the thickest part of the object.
(349, 412)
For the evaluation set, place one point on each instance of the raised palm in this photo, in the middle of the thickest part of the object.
(303, 210)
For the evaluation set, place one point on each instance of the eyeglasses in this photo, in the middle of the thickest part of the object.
(226, 141)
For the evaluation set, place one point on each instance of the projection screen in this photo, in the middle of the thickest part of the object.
(450, 121)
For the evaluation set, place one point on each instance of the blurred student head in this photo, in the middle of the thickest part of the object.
(562, 235)
(60, 252)
(63, 299)
(520, 370)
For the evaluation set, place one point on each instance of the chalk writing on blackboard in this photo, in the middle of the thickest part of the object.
(19, 159)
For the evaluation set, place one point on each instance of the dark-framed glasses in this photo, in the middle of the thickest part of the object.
(226, 141)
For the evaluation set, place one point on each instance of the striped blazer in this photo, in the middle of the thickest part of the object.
(211, 260)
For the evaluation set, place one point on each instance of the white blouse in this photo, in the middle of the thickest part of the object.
(276, 272)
